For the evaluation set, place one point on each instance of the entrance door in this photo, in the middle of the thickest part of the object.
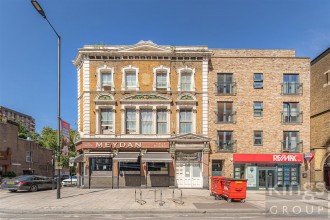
(189, 175)
(266, 178)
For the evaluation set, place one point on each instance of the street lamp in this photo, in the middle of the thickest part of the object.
(42, 13)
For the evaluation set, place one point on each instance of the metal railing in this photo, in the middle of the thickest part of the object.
(291, 117)
(229, 146)
(225, 117)
(292, 146)
(225, 88)
(292, 88)
(179, 201)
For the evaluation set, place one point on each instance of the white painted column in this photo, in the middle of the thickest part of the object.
(123, 121)
(205, 98)
(114, 119)
(168, 120)
(177, 121)
(154, 120)
(86, 97)
(97, 123)
(194, 120)
(137, 120)
(79, 100)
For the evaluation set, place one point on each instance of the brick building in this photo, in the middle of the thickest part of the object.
(259, 103)
(27, 121)
(320, 118)
(143, 115)
(22, 156)
(151, 115)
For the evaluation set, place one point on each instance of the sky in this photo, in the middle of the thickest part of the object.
(28, 45)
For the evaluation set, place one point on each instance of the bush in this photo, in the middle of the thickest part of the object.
(9, 174)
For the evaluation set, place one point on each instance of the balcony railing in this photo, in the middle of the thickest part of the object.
(292, 88)
(225, 117)
(292, 146)
(225, 88)
(292, 117)
(229, 146)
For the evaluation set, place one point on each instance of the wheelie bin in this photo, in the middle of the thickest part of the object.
(216, 187)
(234, 189)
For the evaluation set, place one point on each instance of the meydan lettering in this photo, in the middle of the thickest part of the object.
(118, 144)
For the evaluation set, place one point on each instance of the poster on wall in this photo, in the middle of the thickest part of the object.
(251, 176)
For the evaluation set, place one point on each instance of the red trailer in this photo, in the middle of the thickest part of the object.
(234, 189)
(216, 187)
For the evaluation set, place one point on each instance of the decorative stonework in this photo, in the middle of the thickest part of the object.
(105, 97)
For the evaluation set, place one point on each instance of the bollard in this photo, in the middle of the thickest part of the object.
(135, 195)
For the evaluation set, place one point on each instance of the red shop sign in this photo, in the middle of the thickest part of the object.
(268, 158)
(121, 145)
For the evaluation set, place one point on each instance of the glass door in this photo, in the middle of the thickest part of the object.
(266, 178)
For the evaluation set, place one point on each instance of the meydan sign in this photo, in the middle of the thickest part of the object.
(118, 144)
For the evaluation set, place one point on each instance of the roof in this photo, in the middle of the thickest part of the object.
(319, 57)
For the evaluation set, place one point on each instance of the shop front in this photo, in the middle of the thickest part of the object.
(124, 164)
(269, 171)
(191, 160)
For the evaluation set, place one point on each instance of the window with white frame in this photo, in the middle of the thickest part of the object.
(146, 121)
(106, 79)
(186, 81)
(130, 121)
(29, 156)
(106, 121)
(130, 80)
(161, 121)
(185, 118)
(161, 80)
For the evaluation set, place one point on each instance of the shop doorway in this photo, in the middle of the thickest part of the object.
(189, 175)
(266, 178)
(326, 173)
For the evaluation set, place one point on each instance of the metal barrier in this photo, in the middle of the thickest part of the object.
(161, 202)
(140, 201)
(178, 201)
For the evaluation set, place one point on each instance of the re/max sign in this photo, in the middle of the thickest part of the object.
(118, 144)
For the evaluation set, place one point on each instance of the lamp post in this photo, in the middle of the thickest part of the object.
(42, 13)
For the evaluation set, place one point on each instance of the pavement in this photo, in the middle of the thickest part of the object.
(193, 201)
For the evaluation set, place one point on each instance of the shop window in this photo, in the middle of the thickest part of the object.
(217, 167)
(258, 81)
(157, 166)
(239, 171)
(130, 121)
(258, 136)
(101, 164)
(185, 121)
(129, 166)
(257, 109)
(161, 121)
(287, 175)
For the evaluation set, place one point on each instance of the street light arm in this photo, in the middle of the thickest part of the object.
(58, 36)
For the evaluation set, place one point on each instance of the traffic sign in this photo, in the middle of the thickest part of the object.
(309, 157)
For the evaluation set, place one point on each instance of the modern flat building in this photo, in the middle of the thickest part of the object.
(152, 115)
(25, 120)
(143, 115)
(320, 119)
(259, 113)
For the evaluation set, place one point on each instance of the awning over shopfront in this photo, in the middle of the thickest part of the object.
(99, 154)
(127, 157)
(77, 159)
(157, 157)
